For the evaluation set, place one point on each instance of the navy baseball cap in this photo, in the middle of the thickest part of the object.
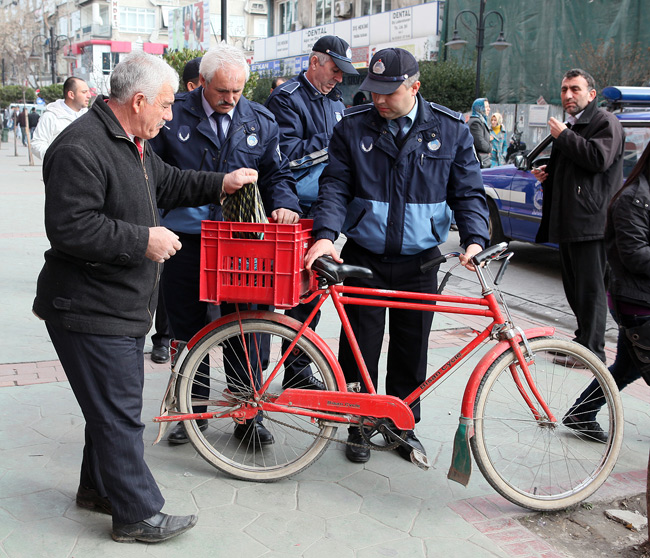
(388, 69)
(191, 70)
(339, 50)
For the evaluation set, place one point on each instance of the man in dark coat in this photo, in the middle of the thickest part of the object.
(98, 288)
(584, 173)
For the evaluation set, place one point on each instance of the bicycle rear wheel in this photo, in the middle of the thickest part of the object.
(214, 378)
(539, 464)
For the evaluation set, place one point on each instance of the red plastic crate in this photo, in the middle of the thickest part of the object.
(268, 270)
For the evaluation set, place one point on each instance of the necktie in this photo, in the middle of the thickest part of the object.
(219, 120)
(402, 122)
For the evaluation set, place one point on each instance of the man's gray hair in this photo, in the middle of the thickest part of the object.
(322, 57)
(144, 73)
(410, 81)
(222, 56)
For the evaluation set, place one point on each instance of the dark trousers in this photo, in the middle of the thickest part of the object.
(162, 334)
(408, 329)
(297, 367)
(187, 315)
(106, 374)
(583, 276)
(625, 370)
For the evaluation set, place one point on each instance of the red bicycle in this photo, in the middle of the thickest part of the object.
(511, 415)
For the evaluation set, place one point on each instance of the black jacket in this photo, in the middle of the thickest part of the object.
(627, 240)
(585, 171)
(100, 200)
(482, 145)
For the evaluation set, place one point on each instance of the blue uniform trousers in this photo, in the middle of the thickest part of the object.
(408, 329)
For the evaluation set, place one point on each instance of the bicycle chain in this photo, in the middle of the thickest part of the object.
(330, 438)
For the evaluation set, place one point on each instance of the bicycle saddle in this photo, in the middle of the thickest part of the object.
(334, 272)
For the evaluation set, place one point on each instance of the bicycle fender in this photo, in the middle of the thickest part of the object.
(467, 407)
(287, 321)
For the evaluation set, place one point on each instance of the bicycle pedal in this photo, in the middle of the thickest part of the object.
(421, 460)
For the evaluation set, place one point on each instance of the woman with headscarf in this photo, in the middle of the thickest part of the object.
(498, 140)
(480, 129)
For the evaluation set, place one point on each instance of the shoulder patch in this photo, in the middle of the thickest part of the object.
(351, 111)
(451, 113)
(290, 87)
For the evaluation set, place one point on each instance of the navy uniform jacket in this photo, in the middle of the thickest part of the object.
(306, 117)
(190, 143)
(396, 202)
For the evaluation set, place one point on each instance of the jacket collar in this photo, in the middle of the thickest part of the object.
(107, 116)
(313, 93)
(587, 113)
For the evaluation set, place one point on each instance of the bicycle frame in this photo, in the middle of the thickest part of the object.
(345, 406)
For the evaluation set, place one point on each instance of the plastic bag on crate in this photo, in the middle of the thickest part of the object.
(245, 206)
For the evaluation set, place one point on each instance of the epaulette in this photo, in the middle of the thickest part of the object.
(262, 110)
(451, 113)
(351, 111)
(290, 87)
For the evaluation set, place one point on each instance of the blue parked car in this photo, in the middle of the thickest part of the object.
(515, 196)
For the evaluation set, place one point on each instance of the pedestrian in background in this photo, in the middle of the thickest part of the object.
(215, 128)
(32, 120)
(277, 81)
(61, 113)
(480, 129)
(584, 172)
(396, 168)
(498, 140)
(22, 121)
(97, 289)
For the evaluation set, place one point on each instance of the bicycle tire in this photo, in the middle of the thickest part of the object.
(537, 464)
(294, 449)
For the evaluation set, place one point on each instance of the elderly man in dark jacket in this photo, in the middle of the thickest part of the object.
(98, 288)
(584, 173)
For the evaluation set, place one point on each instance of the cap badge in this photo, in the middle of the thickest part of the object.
(378, 67)
(348, 53)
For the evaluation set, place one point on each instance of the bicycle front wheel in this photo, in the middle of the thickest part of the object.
(216, 377)
(534, 462)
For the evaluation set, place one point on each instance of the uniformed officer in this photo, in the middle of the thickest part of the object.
(215, 128)
(306, 108)
(395, 169)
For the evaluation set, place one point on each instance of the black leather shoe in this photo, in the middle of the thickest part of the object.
(589, 429)
(90, 499)
(359, 453)
(253, 431)
(299, 382)
(405, 453)
(178, 434)
(160, 354)
(159, 527)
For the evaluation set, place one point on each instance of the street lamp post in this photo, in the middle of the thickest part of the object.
(54, 43)
(457, 43)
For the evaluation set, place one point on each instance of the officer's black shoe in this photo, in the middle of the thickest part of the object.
(90, 499)
(360, 452)
(253, 432)
(159, 527)
(178, 434)
(160, 354)
(404, 452)
(589, 429)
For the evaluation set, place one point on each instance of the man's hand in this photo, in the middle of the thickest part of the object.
(285, 216)
(163, 244)
(234, 180)
(322, 247)
(540, 173)
(556, 126)
(466, 258)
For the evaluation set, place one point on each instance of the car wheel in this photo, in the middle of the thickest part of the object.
(494, 225)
